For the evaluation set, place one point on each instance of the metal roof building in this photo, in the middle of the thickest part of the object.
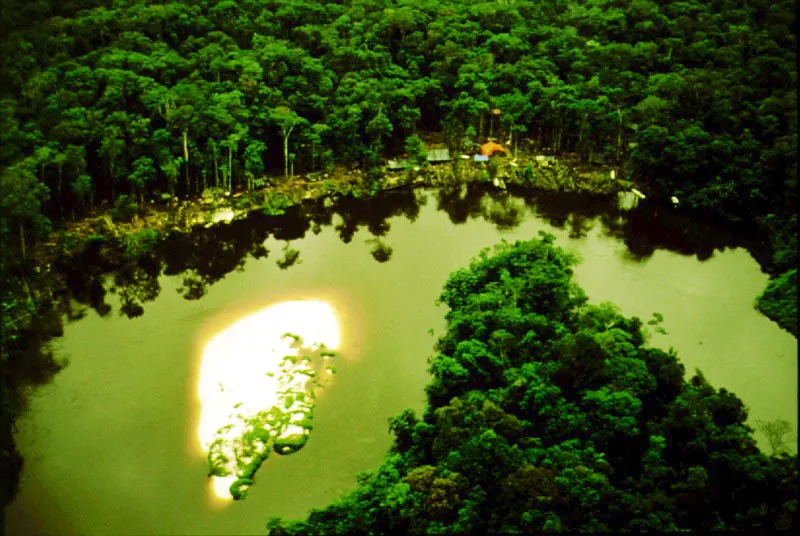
(438, 155)
(396, 164)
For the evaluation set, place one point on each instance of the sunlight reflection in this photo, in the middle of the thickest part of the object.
(257, 391)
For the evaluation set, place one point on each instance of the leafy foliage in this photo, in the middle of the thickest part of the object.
(124, 209)
(779, 301)
(546, 414)
(698, 100)
(701, 98)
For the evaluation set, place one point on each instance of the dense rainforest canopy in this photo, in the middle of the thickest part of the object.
(136, 97)
(695, 99)
(127, 96)
(547, 414)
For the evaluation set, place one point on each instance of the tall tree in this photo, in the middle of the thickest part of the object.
(112, 147)
(286, 120)
(144, 171)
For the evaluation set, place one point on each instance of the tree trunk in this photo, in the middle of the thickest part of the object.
(286, 155)
(186, 154)
(22, 240)
(619, 135)
(581, 145)
(216, 171)
(560, 134)
(230, 167)
(235, 157)
(60, 196)
(44, 199)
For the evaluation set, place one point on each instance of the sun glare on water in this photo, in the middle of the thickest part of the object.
(245, 372)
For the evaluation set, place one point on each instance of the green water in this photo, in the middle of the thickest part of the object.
(111, 445)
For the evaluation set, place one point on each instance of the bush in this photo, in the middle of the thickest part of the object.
(327, 161)
(779, 301)
(67, 242)
(492, 169)
(138, 244)
(528, 174)
(374, 180)
(93, 243)
(124, 209)
(214, 193)
(242, 203)
(416, 151)
(275, 204)
(94, 237)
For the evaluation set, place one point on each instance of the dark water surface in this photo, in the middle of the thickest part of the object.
(111, 444)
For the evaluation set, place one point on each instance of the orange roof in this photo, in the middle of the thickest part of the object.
(491, 148)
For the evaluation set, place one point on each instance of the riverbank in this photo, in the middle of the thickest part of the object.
(131, 237)
(102, 243)
(564, 174)
(157, 356)
(99, 245)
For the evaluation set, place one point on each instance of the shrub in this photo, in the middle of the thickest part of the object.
(779, 301)
(139, 244)
(275, 204)
(124, 209)
(492, 169)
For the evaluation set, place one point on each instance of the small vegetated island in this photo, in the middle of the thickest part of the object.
(241, 446)
(258, 388)
(548, 414)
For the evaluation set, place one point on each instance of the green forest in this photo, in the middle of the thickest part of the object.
(137, 98)
(546, 414)
(546, 418)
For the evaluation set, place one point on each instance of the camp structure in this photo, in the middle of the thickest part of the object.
(436, 156)
(491, 148)
(394, 165)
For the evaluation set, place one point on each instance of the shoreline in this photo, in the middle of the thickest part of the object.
(562, 175)
(100, 245)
